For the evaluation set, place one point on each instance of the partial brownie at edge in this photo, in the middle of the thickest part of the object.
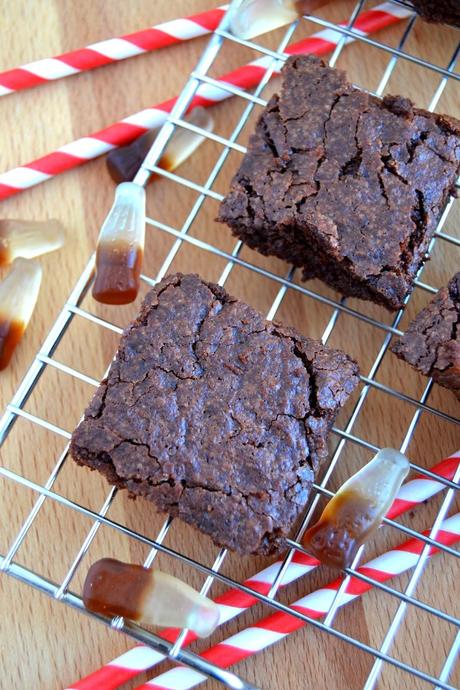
(444, 11)
(430, 343)
(344, 185)
(215, 415)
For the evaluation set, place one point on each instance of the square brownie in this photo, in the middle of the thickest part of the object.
(215, 415)
(430, 344)
(344, 185)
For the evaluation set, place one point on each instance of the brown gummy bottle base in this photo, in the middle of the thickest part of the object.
(117, 274)
(123, 164)
(11, 333)
(5, 257)
(114, 297)
(346, 522)
(114, 588)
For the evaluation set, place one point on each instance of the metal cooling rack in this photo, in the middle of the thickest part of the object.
(45, 358)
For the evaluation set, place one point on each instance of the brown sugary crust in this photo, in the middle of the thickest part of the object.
(216, 415)
(430, 344)
(344, 185)
(439, 11)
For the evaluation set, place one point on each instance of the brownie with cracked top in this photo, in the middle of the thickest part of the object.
(215, 415)
(444, 11)
(430, 344)
(344, 185)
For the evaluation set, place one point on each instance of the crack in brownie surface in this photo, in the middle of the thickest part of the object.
(216, 415)
(430, 342)
(346, 186)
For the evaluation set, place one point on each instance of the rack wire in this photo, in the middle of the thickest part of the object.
(182, 240)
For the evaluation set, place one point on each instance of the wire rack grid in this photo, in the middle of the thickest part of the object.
(379, 654)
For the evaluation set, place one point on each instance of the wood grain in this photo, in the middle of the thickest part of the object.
(42, 643)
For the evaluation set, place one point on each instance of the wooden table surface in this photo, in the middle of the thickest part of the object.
(44, 644)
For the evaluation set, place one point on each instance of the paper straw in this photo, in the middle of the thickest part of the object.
(234, 602)
(123, 132)
(112, 50)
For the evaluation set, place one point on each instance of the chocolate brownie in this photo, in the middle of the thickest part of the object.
(216, 415)
(344, 185)
(446, 11)
(430, 343)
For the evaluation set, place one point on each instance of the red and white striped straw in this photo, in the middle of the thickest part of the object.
(279, 625)
(234, 602)
(112, 50)
(123, 132)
